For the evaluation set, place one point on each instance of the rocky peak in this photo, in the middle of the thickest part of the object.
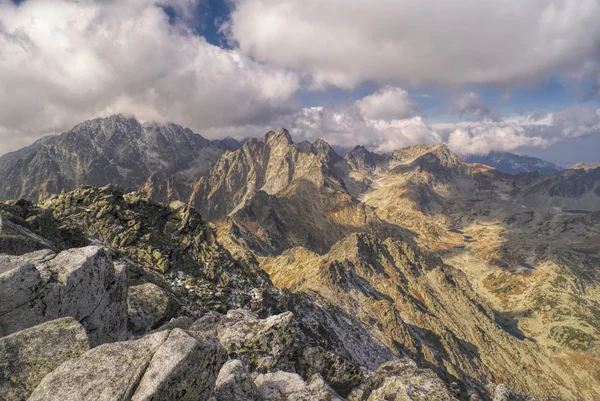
(117, 124)
(361, 158)
(282, 136)
(323, 147)
(585, 166)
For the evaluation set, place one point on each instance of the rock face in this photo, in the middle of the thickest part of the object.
(148, 306)
(262, 344)
(29, 355)
(402, 380)
(82, 283)
(341, 374)
(234, 383)
(284, 386)
(115, 150)
(163, 366)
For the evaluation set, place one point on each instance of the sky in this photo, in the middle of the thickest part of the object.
(480, 76)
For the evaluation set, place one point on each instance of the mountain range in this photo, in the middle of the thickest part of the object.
(367, 276)
(514, 164)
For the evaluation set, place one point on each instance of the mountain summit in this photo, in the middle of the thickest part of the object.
(115, 150)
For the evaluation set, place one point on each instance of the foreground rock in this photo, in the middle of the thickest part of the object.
(148, 306)
(168, 365)
(284, 386)
(29, 355)
(341, 374)
(262, 344)
(402, 380)
(82, 283)
(234, 383)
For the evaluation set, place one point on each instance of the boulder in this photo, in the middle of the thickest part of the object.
(262, 344)
(341, 374)
(284, 386)
(168, 365)
(184, 368)
(82, 283)
(235, 384)
(402, 380)
(29, 355)
(148, 306)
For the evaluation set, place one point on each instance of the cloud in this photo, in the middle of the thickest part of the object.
(386, 104)
(370, 121)
(347, 42)
(470, 105)
(494, 136)
(577, 121)
(65, 61)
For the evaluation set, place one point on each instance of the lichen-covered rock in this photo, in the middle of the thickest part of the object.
(284, 386)
(29, 355)
(184, 368)
(82, 283)
(18, 240)
(148, 306)
(262, 344)
(402, 380)
(162, 366)
(341, 374)
(235, 384)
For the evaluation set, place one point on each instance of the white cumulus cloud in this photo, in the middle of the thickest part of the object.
(346, 42)
(66, 61)
(386, 104)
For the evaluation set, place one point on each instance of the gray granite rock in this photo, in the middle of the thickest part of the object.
(402, 380)
(284, 386)
(235, 384)
(168, 365)
(262, 344)
(148, 306)
(29, 355)
(83, 283)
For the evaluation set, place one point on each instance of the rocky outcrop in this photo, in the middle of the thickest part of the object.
(234, 383)
(163, 366)
(262, 344)
(284, 386)
(148, 306)
(341, 374)
(402, 380)
(82, 283)
(27, 356)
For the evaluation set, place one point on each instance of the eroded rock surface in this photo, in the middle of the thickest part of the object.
(148, 305)
(285, 386)
(235, 383)
(262, 344)
(83, 283)
(27, 356)
(402, 380)
(165, 366)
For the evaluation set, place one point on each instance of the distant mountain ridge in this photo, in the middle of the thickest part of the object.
(514, 164)
(115, 150)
